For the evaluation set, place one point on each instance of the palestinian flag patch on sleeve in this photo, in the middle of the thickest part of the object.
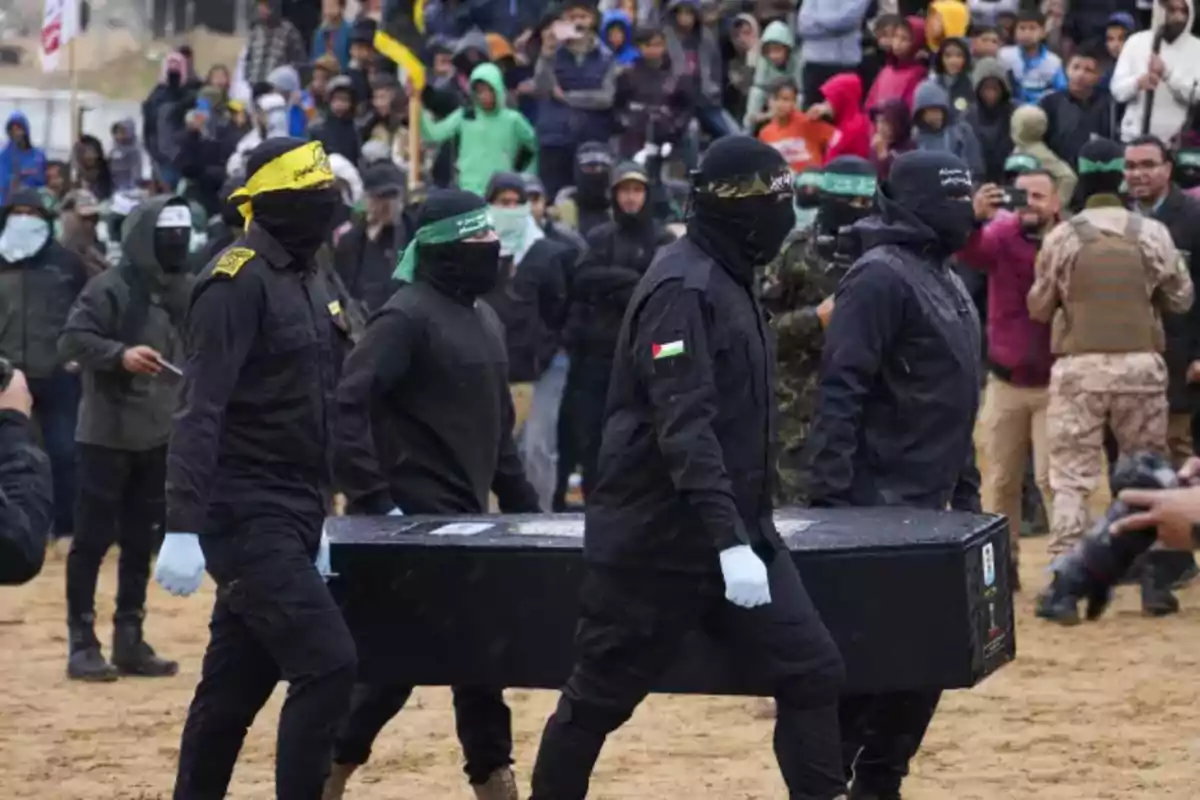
(667, 350)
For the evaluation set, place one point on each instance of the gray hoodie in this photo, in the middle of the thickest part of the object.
(955, 136)
(134, 304)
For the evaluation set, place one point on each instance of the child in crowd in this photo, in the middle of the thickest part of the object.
(801, 141)
(877, 48)
(893, 135)
(952, 69)
(985, 42)
(1029, 126)
(617, 30)
(337, 130)
(651, 104)
(1006, 27)
(991, 116)
(937, 129)
(906, 67)
(843, 95)
(324, 70)
(777, 59)
(128, 162)
(1036, 71)
(946, 19)
(742, 65)
(1120, 26)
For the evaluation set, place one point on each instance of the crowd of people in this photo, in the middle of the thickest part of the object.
(1046, 154)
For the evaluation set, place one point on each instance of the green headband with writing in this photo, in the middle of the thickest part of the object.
(1021, 163)
(849, 185)
(1188, 158)
(442, 231)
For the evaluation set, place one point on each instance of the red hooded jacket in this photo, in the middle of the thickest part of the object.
(853, 135)
(898, 80)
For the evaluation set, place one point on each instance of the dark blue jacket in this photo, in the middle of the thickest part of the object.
(560, 125)
(20, 167)
(899, 378)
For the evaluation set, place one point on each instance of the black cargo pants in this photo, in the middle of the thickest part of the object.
(273, 620)
(482, 720)
(630, 629)
(881, 734)
(120, 500)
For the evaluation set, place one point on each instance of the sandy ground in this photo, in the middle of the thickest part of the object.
(1100, 711)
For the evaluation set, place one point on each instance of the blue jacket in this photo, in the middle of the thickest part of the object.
(831, 31)
(628, 52)
(20, 166)
(899, 377)
(340, 43)
(1033, 77)
(563, 125)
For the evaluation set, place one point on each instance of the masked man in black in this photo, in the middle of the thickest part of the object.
(590, 195)
(679, 532)
(246, 469)
(896, 410)
(124, 331)
(425, 427)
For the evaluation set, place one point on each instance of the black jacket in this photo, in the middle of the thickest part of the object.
(1181, 215)
(900, 379)
(686, 467)
(531, 302)
(366, 266)
(424, 414)
(1073, 123)
(133, 304)
(258, 393)
(26, 500)
(339, 136)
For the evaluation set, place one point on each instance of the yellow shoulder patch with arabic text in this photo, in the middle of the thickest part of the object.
(335, 308)
(232, 260)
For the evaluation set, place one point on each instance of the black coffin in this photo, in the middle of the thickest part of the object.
(915, 599)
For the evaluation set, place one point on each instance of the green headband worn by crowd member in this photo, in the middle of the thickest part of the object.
(442, 231)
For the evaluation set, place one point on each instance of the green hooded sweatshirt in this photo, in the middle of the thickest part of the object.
(765, 73)
(489, 141)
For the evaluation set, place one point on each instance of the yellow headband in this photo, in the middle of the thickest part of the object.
(305, 167)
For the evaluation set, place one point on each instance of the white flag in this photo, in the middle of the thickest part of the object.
(60, 24)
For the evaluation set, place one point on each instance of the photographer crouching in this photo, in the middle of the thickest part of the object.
(1013, 221)
(26, 493)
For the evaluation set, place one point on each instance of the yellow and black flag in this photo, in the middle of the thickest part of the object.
(401, 37)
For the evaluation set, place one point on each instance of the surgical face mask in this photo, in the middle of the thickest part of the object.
(23, 237)
(512, 226)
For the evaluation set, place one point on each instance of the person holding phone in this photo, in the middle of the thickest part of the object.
(1013, 221)
(124, 331)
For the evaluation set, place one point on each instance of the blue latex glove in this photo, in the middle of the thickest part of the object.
(745, 577)
(180, 565)
(395, 512)
(321, 562)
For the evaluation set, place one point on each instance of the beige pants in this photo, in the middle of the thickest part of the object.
(1013, 418)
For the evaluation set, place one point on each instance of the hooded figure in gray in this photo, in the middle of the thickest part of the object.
(140, 304)
(946, 132)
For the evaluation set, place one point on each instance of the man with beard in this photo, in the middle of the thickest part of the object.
(902, 344)
(1013, 417)
(246, 467)
(798, 294)
(679, 533)
(586, 205)
(1160, 71)
(124, 331)
(618, 254)
(425, 427)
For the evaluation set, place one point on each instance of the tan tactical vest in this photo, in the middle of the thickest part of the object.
(1107, 310)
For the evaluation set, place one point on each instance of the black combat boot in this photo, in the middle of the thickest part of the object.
(1056, 605)
(130, 653)
(1157, 576)
(86, 662)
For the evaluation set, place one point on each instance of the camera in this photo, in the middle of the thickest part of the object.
(1101, 560)
(1014, 198)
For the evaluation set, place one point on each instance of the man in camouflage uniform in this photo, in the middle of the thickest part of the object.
(798, 292)
(1103, 281)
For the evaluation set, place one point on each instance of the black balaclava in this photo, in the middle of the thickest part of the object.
(741, 205)
(173, 237)
(299, 219)
(593, 168)
(931, 191)
(460, 270)
(629, 171)
(845, 179)
(1101, 169)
